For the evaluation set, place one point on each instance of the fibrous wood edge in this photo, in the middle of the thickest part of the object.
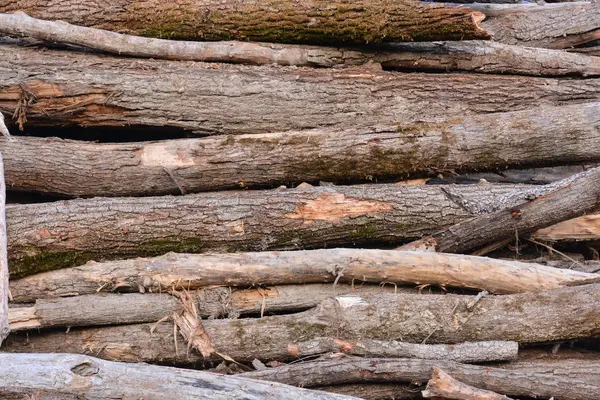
(572, 197)
(442, 385)
(478, 56)
(345, 370)
(538, 317)
(189, 271)
(483, 142)
(69, 233)
(584, 228)
(93, 378)
(236, 99)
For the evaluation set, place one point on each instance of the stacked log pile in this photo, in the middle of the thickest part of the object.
(291, 199)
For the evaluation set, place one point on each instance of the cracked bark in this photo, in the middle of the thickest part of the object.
(224, 99)
(546, 316)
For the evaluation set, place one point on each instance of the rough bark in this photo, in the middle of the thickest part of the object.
(92, 378)
(68, 233)
(468, 352)
(511, 382)
(545, 25)
(188, 271)
(234, 99)
(528, 137)
(374, 391)
(572, 197)
(546, 316)
(479, 56)
(113, 309)
(442, 385)
(292, 21)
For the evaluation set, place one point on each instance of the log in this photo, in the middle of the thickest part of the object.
(511, 382)
(584, 228)
(189, 271)
(117, 309)
(442, 385)
(544, 25)
(201, 98)
(68, 233)
(553, 315)
(352, 155)
(4, 272)
(468, 352)
(89, 377)
(375, 391)
(320, 21)
(479, 56)
(572, 197)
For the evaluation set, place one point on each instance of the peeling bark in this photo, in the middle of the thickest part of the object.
(189, 272)
(226, 99)
(91, 378)
(546, 316)
(528, 137)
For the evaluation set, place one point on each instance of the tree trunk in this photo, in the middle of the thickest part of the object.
(545, 25)
(573, 196)
(212, 302)
(92, 378)
(478, 56)
(349, 155)
(546, 316)
(68, 233)
(512, 382)
(49, 89)
(318, 21)
(189, 271)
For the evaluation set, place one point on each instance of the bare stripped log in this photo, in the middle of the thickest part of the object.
(545, 316)
(479, 56)
(543, 25)
(58, 235)
(94, 378)
(189, 271)
(572, 197)
(50, 89)
(442, 385)
(114, 309)
(586, 227)
(339, 155)
(469, 352)
(279, 21)
(4, 273)
(350, 370)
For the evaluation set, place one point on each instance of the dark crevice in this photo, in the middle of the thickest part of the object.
(112, 134)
